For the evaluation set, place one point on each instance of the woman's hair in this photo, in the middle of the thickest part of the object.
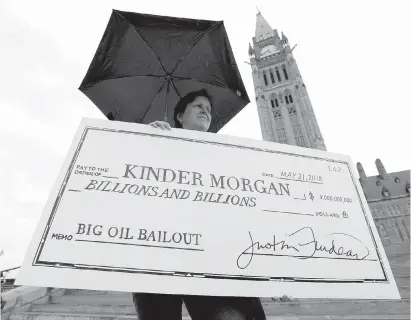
(184, 101)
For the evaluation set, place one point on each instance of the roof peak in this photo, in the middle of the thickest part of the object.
(262, 28)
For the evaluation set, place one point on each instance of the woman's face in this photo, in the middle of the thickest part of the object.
(197, 115)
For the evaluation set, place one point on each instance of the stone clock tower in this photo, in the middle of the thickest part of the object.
(284, 108)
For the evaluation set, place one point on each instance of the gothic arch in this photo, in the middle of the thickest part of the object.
(265, 77)
(288, 96)
(277, 72)
(285, 72)
(272, 78)
(274, 100)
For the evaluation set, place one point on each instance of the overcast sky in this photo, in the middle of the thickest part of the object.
(354, 57)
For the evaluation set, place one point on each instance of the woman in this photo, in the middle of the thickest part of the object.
(193, 112)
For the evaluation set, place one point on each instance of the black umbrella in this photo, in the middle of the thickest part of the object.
(145, 64)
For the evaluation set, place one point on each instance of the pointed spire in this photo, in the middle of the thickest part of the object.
(361, 172)
(381, 169)
(262, 28)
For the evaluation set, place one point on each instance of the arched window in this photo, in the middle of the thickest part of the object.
(285, 73)
(265, 79)
(287, 96)
(278, 74)
(272, 103)
(273, 99)
(272, 76)
(290, 97)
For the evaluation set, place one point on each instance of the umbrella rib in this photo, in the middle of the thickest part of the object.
(151, 104)
(191, 47)
(125, 77)
(135, 29)
(175, 88)
(166, 111)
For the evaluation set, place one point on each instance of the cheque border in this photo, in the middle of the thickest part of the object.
(57, 264)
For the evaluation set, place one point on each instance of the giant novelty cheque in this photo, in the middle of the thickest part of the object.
(139, 209)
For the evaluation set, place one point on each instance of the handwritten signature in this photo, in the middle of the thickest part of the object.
(306, 249)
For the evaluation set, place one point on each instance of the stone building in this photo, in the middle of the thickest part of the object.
(388, 196)
(286, 116)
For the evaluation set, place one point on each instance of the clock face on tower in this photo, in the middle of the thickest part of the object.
(267, 50)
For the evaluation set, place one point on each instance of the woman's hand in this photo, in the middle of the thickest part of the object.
(284, 298)
(160, 124)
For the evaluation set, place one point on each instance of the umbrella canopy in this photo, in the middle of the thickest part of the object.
(145, 64)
